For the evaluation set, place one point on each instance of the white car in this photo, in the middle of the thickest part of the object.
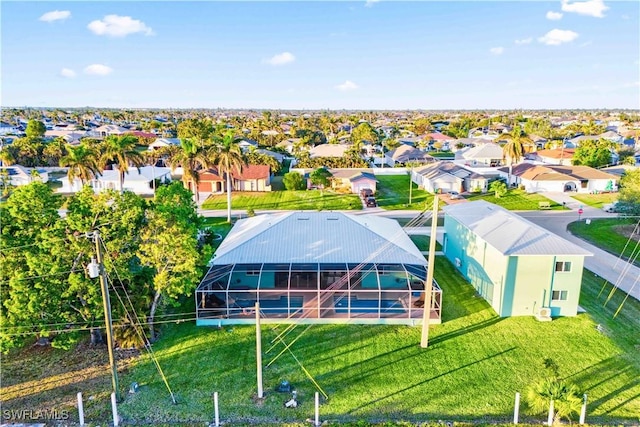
(611, 207)
(454, 195)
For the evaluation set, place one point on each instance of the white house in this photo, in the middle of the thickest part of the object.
(559, 178)
(487, 155)
(164, 142)
(139, 182)
(8, 129)
(20, 175)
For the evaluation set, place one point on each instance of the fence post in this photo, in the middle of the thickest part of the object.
(550, 418)
(583, 412)
(80, 409)
(317, 419)
(215, 409)
(516, 408)
(114, 410)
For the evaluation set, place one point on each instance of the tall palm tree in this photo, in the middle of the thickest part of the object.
(228, 157)
(82, 162)
(121, 150)
(514, 148)
(191, 156)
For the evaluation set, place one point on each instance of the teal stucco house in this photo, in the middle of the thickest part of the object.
(520, 268)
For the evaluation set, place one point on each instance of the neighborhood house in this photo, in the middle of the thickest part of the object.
(520, 268)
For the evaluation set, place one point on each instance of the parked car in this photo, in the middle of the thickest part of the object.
(366, 192)
(611, 207)
(371, 202)
(454, 195)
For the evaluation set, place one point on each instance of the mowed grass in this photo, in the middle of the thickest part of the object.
(287, 200)
(475, 363)
(422, 242)
(596, 200)
(611, 235)
(516, 200)
(393, 194)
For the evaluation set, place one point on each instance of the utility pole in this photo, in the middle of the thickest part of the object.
(107, 310)
(410, 183)
(428, 288)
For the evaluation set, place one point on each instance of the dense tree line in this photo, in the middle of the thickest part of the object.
(152, 255)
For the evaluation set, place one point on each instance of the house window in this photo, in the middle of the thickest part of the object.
(559, 295)
(563, 266)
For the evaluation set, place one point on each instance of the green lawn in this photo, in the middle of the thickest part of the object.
(288, 200)
(610, 235)
(596, 200)
(475, 363)
(442, 154)
(516, 200)
(393, 193)
(422, 242)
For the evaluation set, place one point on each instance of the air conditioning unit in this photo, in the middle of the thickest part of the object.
(544, 314)
(458, 262)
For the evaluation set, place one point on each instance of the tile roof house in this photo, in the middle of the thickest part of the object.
(353, 180)
(441, 177)
(484, 155)
(559, 178)
(250, 178)
(520, 268)
(556, 156)
(329, 150)
(164, 142)
(404, 154)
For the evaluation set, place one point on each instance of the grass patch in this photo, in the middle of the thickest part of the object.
(596, 200)
(516, 200)
(287, 200)
(475, 363)
(422, 242)
(393, 193)
(611, 235)
(443, 155)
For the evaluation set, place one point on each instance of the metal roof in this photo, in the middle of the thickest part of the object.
(317, 237)
(509, 233)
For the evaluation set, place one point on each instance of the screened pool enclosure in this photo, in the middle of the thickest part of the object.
(316, 267)
(316, 293)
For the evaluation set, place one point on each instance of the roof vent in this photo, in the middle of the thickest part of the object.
(303, 218)
(332, 218)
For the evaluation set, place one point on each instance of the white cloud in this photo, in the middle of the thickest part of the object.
(281, 59)
(593, 8)
(68, 73)
(556, 37)
(554, 16)
(496, 50)
(98, 70)
(119, 26)
(369, 3)
(55, 15)
(524, 41)
(347, 86)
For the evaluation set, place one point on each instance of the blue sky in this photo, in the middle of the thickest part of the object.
(322, 55)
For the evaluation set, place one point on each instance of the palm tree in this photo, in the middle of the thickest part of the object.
(228, 157)
(121, 150)
(82, 163)
(566, 398)
(514, 148)
(191, 156)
